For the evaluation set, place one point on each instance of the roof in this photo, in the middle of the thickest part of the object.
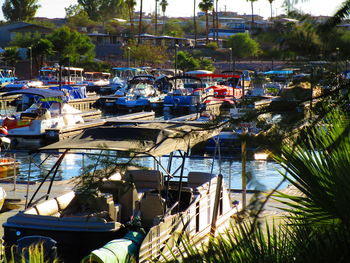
(155, 139)
(45, 93)
(196, 72)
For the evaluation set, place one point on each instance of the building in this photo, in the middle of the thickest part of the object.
(232, 23)
(9, 31)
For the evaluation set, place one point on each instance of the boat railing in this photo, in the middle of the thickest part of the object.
(202, 204)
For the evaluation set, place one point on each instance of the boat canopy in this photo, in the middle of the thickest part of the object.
(278, 72)
(155, 139)
(44, 93)
(71, 92)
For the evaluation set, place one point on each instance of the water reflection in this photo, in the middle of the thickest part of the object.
(264, 174)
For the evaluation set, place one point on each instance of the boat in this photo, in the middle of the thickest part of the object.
(226, 93)
(140, 95)
(56, 75)
(22, 84)
(121, 75)
(143, 211)
(2, 197)
(181, 97)
(8, 164)
(7, 75)
(95, 80)
(49, 109)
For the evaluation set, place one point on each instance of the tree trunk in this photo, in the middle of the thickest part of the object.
(214, 26)
(194, 23)
(156, 18)
(251, 2)
(131, 18)
(206, 24)
(271, 11)
(140, 23)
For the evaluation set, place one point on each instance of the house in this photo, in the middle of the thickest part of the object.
(9, 31)
(225, 33)
(232, 22)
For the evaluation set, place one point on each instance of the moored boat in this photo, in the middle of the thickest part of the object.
(48, 110)
(147, 207)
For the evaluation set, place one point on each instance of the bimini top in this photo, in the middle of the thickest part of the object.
(44, 93)
(154, 139)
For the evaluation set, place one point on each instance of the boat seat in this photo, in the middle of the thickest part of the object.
(152, 205)
(48, 208)
(196, 179)
(124, 195)
(64, 200)
(145, 179)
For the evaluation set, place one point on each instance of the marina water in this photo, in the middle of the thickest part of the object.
(262, 175)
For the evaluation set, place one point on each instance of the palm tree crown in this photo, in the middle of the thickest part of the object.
(206, 6)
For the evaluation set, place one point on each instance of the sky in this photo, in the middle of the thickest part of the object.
(177, 8)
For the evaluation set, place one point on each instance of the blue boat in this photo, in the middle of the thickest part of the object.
(7, 75)
(140, 95)
(182, 97)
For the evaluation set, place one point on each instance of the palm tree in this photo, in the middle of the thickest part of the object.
(194, 23)
(317, 226)
(251, 3)
(270, 1)
(156, 17)
(131, 5)
(140, 23)
(163, 4)
(206, 6)
(342, 13)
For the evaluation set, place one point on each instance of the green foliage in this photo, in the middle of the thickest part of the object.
(173, 28)
(77, 17)
(145, 53)
(101, 10)
(206, 5)
(304, 41)
(74, 10)
(71, 44)
(11, 56)
(35, 254)
(206, 64)
(47, 24)
(41, 50)
(19, 10)
(243, 46)
(212, 45)
(163, 4)
(95, 66)
(316, 227)
(186, 62)
(25, 40)
(341, 14)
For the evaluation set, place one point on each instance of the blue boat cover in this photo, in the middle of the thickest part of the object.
(278, 72)
(44, 93)
(71, 93)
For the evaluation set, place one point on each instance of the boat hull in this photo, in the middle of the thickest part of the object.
(72, 245)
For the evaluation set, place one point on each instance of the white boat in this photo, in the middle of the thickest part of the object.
(56, 75)
(120, 76)
(2, 197)
(153, 208)
(49, 111)
(94, 81)
(140, 95)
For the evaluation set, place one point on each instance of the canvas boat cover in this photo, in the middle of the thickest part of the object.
(154, 139)
(44, 93)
